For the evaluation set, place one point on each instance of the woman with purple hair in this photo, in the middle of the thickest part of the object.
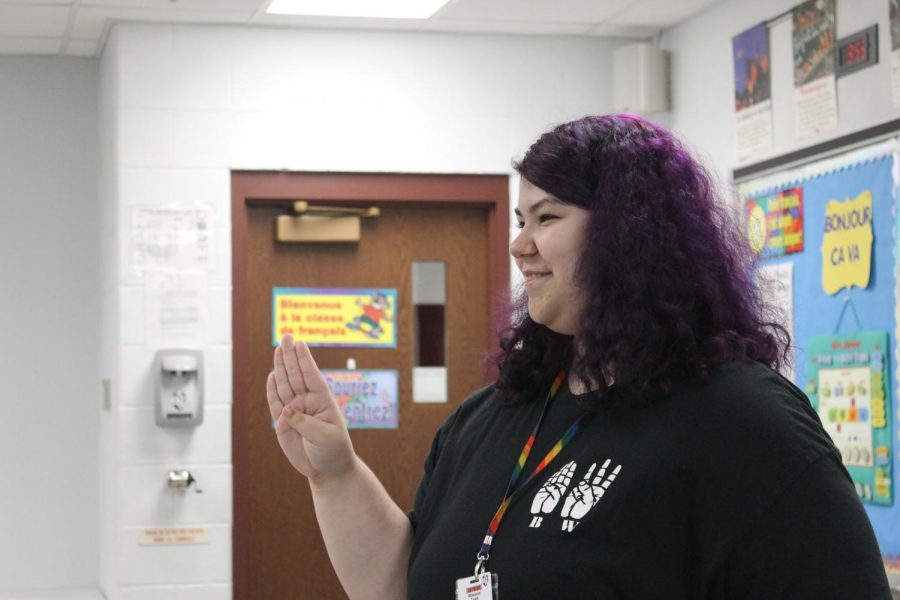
(654, 451)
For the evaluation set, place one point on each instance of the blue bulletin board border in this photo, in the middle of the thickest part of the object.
(817, 314)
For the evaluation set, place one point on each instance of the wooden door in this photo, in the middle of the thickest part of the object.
(278, 551)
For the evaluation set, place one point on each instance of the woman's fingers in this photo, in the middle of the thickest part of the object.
(292, 365)
(296, 376)
(282, 385)
(312, 377)
(275, 403)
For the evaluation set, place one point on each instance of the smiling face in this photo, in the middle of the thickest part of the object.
(546, 251)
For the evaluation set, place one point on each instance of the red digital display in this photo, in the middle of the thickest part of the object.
(855, 52)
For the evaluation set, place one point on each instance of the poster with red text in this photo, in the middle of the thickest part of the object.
(815, 89)
(340, 317)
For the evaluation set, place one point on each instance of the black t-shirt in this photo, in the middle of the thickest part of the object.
(730, 489)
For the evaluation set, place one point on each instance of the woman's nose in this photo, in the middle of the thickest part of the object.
(521, 245)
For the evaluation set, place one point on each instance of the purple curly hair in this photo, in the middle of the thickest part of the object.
(665, 266)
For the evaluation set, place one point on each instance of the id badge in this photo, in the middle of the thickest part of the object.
(481, 587)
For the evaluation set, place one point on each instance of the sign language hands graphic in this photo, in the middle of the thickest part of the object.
(546, 498)
(588, 492)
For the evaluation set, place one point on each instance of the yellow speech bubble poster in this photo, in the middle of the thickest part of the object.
(847, 244)
(353, 317)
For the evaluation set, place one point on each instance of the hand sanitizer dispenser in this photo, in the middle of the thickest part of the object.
(179, 391)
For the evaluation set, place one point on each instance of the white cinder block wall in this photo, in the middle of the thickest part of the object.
(49, 246)
(182, 106)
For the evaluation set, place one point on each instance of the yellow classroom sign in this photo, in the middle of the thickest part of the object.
(353, 317)
(847, 244)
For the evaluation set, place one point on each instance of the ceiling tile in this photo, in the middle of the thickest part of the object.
(90, 21)
(203, 5)
(30, 26)
(515, 27)
(335, 22)
(661, 13)
(29, 46)
(552, 11)
(623, 31)
(38, 2)
(33, 21)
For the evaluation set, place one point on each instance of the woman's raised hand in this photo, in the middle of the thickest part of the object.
(308, 421)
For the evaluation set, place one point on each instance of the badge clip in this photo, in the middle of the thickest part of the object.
(481, 565)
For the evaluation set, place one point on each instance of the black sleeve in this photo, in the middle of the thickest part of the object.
(420, 500)
(422, 489)
(816, 541)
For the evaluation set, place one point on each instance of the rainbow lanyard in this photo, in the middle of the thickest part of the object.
(485, 551)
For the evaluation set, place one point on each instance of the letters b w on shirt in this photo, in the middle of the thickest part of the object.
(580, 499)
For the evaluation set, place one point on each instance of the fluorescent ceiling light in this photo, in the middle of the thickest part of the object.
(378, 9)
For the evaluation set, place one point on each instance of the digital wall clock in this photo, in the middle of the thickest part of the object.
(856, 51)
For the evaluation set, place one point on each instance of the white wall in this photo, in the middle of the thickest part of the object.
(49, 263)
(703, 87)
(188, 104)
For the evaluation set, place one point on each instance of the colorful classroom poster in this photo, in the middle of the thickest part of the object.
(848, 382)
(847, 244)
(355, 317)
(775, 222)
(752, 92)
(815, 89)
(368, 398)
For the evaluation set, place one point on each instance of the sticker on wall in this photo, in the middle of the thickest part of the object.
(353, 317)
(847, 244)
(368, 398)
(775, 222)
(848, 382)
(173, 536)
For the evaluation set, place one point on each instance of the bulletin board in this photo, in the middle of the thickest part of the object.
(834, 224)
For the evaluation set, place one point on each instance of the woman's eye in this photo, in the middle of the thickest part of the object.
(540, 219)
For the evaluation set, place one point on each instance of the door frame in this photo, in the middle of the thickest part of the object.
(265, 188)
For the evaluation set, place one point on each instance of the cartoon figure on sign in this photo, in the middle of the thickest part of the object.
(373, 313)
